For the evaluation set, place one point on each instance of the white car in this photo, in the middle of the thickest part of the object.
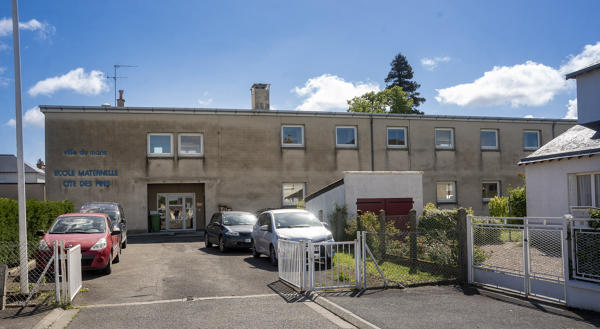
(286, 224)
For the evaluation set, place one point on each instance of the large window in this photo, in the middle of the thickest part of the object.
(444, 138)
(191, 145)
(446, 192)
(345, 137)
(160, 145)
(292, 136)
(588, 190)
(396, 138)
(489, 190)
(292, 193)
(531, 139)
(489, 139)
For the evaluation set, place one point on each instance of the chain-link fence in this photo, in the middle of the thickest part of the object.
(40, 286)
(499, 248)
(412, 256)
(585, 248)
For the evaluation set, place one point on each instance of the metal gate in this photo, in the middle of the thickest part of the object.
(320, 265)
(523, 255)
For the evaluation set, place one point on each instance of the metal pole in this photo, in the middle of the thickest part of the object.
(24, 280)
(56, 271)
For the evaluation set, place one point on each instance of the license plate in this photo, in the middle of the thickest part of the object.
(247, 240)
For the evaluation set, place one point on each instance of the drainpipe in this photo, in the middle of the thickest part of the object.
(372, 151)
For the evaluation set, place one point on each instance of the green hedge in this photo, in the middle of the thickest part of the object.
(40, 215)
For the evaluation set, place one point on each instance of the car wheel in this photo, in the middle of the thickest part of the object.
(272, 256)
(207, 244)
(108, 268)
(255, 253)
(222, 247)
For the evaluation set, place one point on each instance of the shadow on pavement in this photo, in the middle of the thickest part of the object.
(261, 263)
(175, 238)
(228, 252)
(289, 294)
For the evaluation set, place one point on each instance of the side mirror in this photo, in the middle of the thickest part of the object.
(264, 228)
(40, 233)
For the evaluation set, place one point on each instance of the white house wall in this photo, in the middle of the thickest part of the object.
(327, 202)
(548, 184)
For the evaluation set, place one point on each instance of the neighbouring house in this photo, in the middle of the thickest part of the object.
(396, 192)
(34, 179)
(563, 176)
(192, 162)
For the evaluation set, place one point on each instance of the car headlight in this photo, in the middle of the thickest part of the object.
(43, 246)
(232, 233)
(101, 244)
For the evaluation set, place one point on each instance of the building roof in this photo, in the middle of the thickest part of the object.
(200, 111)
(592, 67)
(578, 141)
(8, 164)
(325, 189)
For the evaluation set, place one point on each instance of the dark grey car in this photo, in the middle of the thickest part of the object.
(115, 214)
(230, 229)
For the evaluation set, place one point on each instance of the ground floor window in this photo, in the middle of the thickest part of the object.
(588, 190)
(489, 190)
(293, 193)
(446, 192)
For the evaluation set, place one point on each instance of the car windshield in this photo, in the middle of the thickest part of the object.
(92, 208)
(238, 219)
(78, 224)
(295, 219)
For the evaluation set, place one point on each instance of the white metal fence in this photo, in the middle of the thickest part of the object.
(585, 248)
(524, 255)
(73, 271)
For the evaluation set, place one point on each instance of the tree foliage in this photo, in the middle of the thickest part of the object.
(401, 75)
(391, 100)
(498, 206)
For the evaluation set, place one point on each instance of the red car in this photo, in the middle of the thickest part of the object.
(100, 241)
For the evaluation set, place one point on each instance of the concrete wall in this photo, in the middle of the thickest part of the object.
(244, 164)
(407, 184)
(327, 201)
(588, 98)
(548, 184)
(32, 191)
(29, 178)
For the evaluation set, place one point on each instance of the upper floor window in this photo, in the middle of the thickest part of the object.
(293, 193)
(191, 145)
(531, 139)
(160, 144)
(345, 137)
(292, 136)
(446, 192)
(490, 190)
(444, 138)
(396, 138)
(489, 139)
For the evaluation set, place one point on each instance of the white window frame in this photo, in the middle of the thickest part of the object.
(195, 155)
(496, 147)
(592, 186)
(387, 136)
(445, 200)
(497, 182)
(347, 146)
(283, 191)
(283, 144)
(451, 147)
(158, 155)
(539, 138)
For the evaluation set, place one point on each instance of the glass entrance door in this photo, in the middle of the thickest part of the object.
(177, 211)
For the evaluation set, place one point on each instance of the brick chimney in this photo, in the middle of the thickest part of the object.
(121, 101)
(40, 164)
(260, 96)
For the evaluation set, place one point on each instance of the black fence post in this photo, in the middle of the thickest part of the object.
(461, 238)
(412, 222)
(3, 277)
(382, 234)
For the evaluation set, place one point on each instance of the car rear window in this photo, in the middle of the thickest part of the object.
(111, 211)
(78, 224)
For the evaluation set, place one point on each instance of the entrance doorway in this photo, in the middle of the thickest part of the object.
(176, 211)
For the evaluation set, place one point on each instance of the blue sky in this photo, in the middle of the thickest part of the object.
(504, 58)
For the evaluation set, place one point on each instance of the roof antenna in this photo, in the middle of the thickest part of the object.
(115, 77)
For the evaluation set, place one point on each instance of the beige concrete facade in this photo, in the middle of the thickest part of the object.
(244, 164)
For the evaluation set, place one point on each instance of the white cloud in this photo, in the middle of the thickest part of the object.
(329, 92)
(44, 29)
(589, 55)
(32, 117)
(529, 116)
(205, 100)
(571, 109)
(431, 63)
(77, 80)
(529, 84)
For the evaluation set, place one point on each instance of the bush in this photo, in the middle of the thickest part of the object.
(498, 206)
(40, 215)
(517, 202)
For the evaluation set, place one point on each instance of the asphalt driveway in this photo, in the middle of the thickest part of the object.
(166, 267)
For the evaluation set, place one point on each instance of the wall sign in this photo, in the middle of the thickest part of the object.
(86, 173)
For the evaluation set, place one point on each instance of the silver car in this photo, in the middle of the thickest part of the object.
(285, 224)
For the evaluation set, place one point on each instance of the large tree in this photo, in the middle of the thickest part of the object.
(391, 100)
(401, 75)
